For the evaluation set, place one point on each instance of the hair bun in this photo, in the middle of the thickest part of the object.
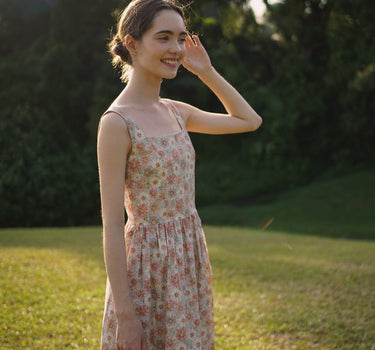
(119, 49)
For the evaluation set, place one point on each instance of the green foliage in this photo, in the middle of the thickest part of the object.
(272, 290)
(45, 178)
(48, 163)
(351, 38)
(327, 48)
(308, 70)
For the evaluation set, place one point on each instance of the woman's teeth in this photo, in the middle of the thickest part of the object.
(169, 61)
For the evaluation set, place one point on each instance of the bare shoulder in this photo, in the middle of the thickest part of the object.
(112, 121)
(112, 130)
(184, 108)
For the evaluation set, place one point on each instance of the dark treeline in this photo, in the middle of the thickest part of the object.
(308, 69)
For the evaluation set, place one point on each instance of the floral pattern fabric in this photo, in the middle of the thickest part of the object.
(167, 260)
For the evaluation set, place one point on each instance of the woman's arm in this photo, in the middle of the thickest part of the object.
(113, 146)
(240, 118)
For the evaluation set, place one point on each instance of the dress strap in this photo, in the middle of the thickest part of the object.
(128, 121)
(176, 113)
(113, 110)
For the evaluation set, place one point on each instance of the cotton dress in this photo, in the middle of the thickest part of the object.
(167, 259)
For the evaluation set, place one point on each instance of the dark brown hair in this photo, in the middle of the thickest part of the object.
(135, 20)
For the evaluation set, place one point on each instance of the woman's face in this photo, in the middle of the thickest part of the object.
(162, 47)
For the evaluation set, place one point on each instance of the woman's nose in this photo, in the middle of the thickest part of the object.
(177, 47)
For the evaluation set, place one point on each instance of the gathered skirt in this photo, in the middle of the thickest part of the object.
(170, 279)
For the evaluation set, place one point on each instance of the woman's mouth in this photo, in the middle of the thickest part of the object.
(170, 61)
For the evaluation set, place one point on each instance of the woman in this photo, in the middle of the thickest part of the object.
(159, 293)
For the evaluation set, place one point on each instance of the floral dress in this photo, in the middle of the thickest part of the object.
(167, 260)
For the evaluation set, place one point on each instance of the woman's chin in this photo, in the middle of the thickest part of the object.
(170, 75)
(170, 72)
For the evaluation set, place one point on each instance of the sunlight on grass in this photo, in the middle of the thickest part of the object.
(52, 293)
(279, 291)
(272, 290)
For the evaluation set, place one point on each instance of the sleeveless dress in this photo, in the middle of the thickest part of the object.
(167, 259)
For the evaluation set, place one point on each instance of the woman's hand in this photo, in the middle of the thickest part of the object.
(240, 117)
(130, 335)
(196, 60)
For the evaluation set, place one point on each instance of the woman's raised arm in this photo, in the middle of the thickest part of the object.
(241, 116)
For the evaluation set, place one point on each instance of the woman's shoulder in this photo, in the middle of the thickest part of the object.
(113, 118)
(112, 123)
(113, 133)
(179, 107)
(173, 103)
(117, 112)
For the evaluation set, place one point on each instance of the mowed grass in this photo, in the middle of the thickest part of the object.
(283, 291)
(290, 285)
(341, 207)
(52, 285)
(272, 290)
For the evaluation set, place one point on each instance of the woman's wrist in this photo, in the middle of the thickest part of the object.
(126, 314)
(205, 74)
(125, 310)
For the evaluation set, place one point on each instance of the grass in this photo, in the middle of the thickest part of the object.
(342, 207)
(52, 288)
(275, 289)
(282, 291)
(272, 290)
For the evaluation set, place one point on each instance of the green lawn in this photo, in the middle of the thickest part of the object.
(342, 207)
(272, 290)
(282, 291)
(288, 286)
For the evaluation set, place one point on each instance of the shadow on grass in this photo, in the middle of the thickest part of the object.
(339, 208)
(274, 222)
(81, 240)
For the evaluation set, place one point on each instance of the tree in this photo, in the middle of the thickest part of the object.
(308, 70)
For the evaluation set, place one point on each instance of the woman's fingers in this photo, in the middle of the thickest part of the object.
(136, 344)
(196, 40)
(193, 40)
(189, 41)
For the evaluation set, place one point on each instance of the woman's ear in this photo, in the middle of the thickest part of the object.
(131, 44)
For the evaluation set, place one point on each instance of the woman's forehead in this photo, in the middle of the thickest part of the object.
(168, 20)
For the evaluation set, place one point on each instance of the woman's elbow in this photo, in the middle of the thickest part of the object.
(255, 123)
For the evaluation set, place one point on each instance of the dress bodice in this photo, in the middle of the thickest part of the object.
(159, 178)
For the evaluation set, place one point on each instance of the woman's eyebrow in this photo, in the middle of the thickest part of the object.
(169, 32)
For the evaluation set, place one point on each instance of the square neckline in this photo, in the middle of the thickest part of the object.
(156, 136)
(172, 110)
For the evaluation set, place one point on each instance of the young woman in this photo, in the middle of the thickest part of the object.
(159, 293)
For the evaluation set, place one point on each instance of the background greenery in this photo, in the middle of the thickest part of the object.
(308, 70)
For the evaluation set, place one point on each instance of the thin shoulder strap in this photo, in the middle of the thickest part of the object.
(126, 120)
(112, 110)
(175, 112)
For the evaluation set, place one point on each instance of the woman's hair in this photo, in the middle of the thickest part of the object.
(135, 20)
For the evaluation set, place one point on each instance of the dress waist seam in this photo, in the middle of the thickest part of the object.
(180, 219)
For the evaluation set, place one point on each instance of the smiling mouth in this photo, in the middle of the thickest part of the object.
(170, 61)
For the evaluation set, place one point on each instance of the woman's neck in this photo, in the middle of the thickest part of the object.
(141, 89)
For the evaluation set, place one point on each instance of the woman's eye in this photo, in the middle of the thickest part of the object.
(163, 38)
(182, 40)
